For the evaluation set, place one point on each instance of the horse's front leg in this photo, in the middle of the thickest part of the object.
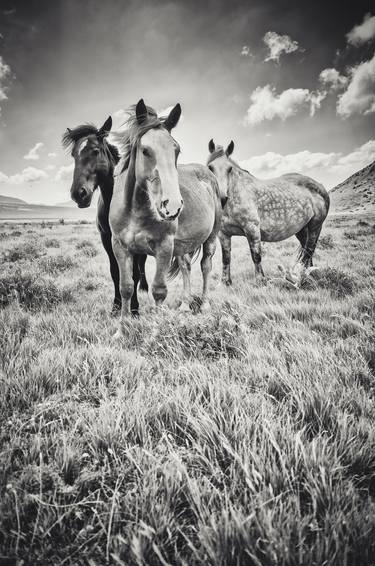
(253, 237)
(163, 258)
(184, 263)
(225, 242)
(209, 248)
(106, 238)
(125, 262)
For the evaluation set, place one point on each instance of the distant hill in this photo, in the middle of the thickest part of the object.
(16, 209)
(4, 199)
(357, 193)
(66, 203)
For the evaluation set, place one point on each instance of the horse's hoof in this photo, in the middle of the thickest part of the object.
(183, 307)
(205, 307)
(116, 309)
(135, 313)
(227, 282)
(118, 336)
(261, 280)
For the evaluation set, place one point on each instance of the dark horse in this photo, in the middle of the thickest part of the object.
(95, 160)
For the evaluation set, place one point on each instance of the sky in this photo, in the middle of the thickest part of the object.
(291, 82)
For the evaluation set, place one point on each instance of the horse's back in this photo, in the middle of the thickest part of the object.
(315, 189)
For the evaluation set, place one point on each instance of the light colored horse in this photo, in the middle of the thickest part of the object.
(160, 209)
(266, 210)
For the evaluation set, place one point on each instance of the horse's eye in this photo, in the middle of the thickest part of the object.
(211, 168)
(95, 150)
(230, 169)
(146, 152)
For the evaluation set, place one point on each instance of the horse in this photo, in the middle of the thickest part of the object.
(266, 210)
(95, 160)
(161, 209)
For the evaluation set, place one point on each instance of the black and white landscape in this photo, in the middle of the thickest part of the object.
(229, 428)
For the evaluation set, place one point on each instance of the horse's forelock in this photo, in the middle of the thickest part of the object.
(71, 136)
(218, 152)
(135, 130)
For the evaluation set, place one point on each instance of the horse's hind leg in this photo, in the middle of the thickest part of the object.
(314, 228)
(302, 236)
(209, 248)
(225, 242)
(253, 238)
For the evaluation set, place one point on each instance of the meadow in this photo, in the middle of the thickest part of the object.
(244, 436)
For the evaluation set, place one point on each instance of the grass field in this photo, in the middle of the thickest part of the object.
(242, 436)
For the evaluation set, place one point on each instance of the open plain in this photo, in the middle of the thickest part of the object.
(241, 436)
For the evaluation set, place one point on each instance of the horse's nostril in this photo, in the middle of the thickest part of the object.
(164, 203)
(82, 192)
(182, 202)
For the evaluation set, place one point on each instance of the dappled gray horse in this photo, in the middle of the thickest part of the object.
(160, 209)
(266, 210)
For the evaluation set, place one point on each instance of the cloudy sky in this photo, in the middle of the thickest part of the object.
(291, 82)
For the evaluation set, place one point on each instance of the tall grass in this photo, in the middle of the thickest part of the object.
(241, 436)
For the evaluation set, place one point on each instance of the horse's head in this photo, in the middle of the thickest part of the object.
(221, 165)
(156, 154)
(94, 159)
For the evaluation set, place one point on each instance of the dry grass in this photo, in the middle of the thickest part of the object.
(242, 436)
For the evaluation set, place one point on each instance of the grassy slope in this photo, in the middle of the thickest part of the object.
(245, 436)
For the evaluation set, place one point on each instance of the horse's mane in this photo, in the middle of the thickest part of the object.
(72, 136)
(219, 152)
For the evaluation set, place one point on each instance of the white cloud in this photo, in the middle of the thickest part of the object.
(65, 172)
(272, 164)
(267, 105)
(52, 154)
(331, 167)
(33, 152)
(362, 33)
(278, 44)
(28, 175)
(245, 51)
(358, 158)
(316, 99)
(332, 79)
(4, 75)
(50, 167)
(359, 97)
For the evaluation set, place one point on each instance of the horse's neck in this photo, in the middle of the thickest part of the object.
(241, 179)
(106, 189)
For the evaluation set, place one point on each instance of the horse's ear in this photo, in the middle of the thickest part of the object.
(229, 149)
(211, 146)
(173, 118)
(106, 128)
(141, 111)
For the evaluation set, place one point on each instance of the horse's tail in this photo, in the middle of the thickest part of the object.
(174, 268)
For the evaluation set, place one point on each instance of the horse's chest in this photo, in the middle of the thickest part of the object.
(140, 241)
